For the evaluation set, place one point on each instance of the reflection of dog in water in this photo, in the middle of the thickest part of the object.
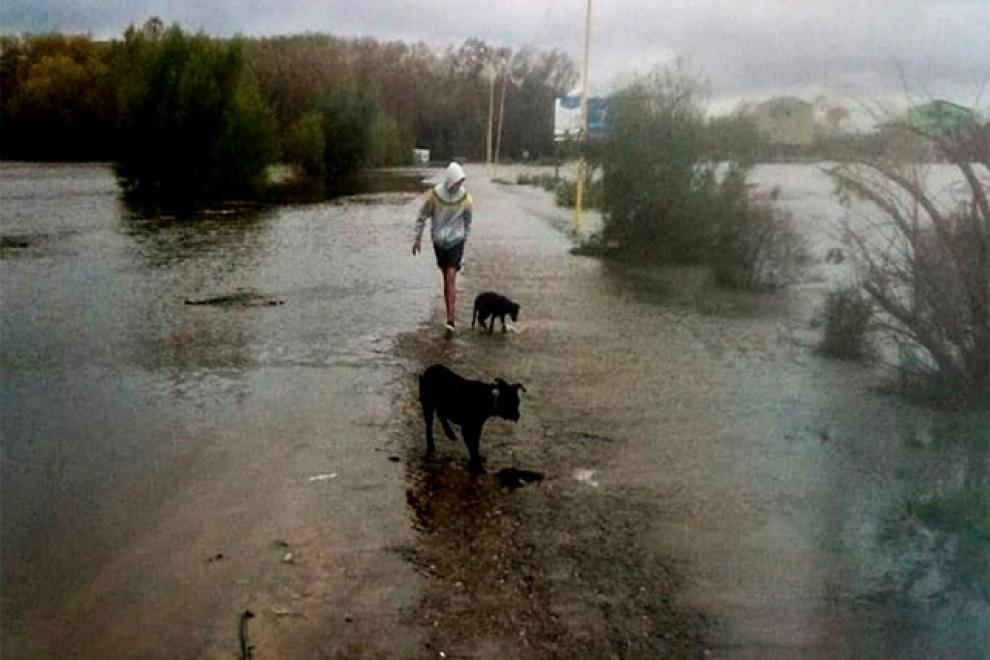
(467, 403)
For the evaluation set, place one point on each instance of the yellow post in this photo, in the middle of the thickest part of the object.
(583, 129)
(578, 194)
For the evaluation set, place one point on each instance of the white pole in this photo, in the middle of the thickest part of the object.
(501, 117)
(491, 118)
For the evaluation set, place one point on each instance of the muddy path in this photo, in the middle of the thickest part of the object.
(711, 487)
(562, 567)
(553, 569)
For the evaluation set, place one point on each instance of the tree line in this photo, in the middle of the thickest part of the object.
(188, 112)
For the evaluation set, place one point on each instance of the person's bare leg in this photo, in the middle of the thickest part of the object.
(450, 291)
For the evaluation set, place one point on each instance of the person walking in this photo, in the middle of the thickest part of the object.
(448, 206)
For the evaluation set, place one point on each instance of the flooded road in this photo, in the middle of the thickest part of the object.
(143, 437)
(710, 487)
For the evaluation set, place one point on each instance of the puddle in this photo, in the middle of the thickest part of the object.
(517, 478)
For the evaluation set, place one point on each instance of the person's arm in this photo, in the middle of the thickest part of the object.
(468, 210)
(424, 212)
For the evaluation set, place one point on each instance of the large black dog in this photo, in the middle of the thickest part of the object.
(467, 403)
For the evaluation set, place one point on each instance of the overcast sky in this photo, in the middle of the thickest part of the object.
(863, 50)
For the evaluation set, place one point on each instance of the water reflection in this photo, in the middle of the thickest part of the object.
(231, 233)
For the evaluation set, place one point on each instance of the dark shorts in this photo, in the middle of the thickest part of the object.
(449, 257)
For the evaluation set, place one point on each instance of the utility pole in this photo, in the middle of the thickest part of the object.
(583, 118)
(491, 118)
(501, 116)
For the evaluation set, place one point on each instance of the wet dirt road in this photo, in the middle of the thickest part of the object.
(710, 487)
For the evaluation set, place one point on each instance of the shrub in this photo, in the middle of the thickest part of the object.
(847, 320)
(924, 260)
(651, 169)
(546, 181)
(662, 195)
(756, 245)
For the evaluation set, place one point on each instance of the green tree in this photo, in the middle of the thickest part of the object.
(193, 124)
(304, 144)
(352, 129)
(59, 99)
(540, 77)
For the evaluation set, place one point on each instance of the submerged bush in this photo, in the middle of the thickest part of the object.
(546, 181)
(666, 199)
(925, 260)
(755, 245)
(656, 189)
(962, 515)
(193, 125)
(847, 319)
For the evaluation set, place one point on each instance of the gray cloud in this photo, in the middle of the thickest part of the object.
(747, 48)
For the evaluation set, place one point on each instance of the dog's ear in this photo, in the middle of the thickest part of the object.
(501, 383)
(520, 386)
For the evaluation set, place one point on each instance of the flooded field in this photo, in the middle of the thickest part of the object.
(710, 487)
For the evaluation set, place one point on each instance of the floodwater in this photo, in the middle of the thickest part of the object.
(143, 437)
(711, 488)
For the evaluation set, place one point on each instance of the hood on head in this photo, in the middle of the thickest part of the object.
(452, 175)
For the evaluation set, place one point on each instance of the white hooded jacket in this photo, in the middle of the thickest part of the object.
(449, 213)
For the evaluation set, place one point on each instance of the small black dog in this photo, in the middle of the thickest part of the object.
(491, 304)
(467, 403)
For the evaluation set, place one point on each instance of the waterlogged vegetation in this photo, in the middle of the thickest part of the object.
(192, 117)
(924, 256)
(847, 321)
(673, 187)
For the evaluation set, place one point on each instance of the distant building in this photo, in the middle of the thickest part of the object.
(908, 138)
(939, 116)
(830, 115)
(787, 122)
